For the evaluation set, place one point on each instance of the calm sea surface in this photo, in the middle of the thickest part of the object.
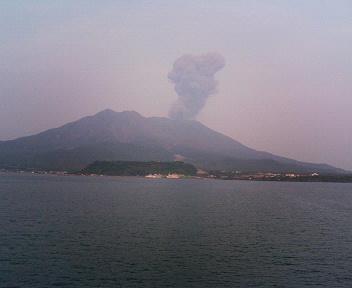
(133, 232)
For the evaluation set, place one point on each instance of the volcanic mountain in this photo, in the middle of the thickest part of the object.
(127, 135)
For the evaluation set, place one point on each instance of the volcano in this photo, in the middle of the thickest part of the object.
(128, 136)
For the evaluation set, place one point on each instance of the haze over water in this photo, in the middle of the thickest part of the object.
(77, 231)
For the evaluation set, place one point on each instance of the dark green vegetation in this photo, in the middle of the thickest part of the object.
(134, 168)
(128, 136)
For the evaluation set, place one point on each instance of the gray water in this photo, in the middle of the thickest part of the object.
(133, 232)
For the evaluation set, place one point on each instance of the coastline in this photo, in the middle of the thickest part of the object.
(303, 179)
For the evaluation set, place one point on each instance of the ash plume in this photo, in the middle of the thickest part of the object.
(193, 76)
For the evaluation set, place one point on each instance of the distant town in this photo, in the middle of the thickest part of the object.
(285, 177)
(180, 170)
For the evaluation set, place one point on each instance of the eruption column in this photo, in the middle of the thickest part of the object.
(194, 81)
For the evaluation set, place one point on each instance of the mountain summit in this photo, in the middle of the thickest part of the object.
(110, 135)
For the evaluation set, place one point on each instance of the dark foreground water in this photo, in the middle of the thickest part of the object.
(131, 232)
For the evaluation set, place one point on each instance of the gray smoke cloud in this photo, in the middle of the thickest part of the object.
(193, 76)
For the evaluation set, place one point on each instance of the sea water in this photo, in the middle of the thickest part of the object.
(76, 231)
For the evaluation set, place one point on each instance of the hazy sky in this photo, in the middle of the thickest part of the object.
(286, 87)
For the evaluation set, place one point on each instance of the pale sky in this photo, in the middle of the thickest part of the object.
(286, 87)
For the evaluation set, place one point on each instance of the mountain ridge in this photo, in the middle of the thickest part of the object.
(127, 135)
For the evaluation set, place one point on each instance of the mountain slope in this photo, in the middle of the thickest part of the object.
(110, 135)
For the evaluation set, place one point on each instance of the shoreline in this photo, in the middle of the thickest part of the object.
(317, 179)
